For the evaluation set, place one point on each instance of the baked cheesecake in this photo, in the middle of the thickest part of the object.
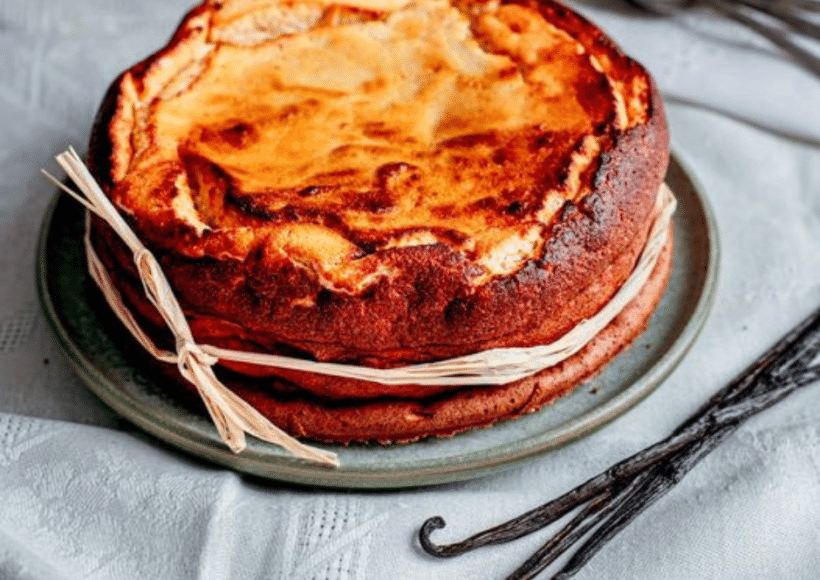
(382, 183)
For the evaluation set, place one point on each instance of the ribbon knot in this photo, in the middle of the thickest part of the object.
(189, 353)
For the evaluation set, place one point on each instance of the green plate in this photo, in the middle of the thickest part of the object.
(100, 355)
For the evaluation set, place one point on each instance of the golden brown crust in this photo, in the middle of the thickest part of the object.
(502, 227)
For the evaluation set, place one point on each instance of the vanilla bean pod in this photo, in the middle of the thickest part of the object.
(789, 355)
(654, 471)
(669, 472)
(591, 515)
(580, 525)
(554, 510)
(787, 15)
(774, 34)
(786, 5)
(645, 488)
(655, 484)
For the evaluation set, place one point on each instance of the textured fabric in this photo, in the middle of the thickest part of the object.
(86, 496)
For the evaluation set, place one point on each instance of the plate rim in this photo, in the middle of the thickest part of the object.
(287, 469)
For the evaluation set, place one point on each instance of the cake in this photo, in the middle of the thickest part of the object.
(382, 183)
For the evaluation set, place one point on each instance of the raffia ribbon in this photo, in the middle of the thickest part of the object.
(234, 417)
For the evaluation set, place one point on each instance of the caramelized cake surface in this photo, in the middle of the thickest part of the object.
(326, 134)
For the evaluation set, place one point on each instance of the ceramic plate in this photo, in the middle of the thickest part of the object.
(83, 327)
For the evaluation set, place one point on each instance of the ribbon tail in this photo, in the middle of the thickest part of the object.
(234, 417)
(257, 425)
(227, 423)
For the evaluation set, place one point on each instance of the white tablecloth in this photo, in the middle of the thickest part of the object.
(83, 495)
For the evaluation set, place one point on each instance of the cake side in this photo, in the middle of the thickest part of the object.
(392, 418)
